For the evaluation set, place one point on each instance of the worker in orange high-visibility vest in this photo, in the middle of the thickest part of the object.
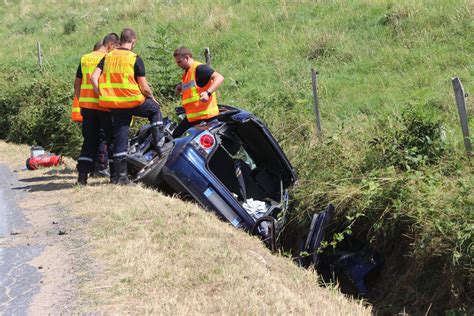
(120, 81)
(97, 120)
(198, 90)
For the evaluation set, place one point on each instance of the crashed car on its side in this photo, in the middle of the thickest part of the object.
(231, 165)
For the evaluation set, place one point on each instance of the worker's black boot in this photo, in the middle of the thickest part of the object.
(158, 138)
(82, 178)
(121, 171)
(100, 173)
(113, 174)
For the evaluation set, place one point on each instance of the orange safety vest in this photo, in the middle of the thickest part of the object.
(76, 111)
(117, 84)
(88, 98)
(197, 110)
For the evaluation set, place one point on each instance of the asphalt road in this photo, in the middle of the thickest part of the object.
(19, 281)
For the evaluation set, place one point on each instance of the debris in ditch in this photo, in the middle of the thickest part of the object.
(353, 263)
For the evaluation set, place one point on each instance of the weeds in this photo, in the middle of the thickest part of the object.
(405, 193)
(70, 27)
(418, 142)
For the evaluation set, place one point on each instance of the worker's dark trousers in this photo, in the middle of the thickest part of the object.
(122, 118)
(184, 125)
(92, 122)
(102, 159)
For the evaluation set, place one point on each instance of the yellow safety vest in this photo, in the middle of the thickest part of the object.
(88, 98)
(117, 84)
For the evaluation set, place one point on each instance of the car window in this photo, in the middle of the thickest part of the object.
(233, 147)
(243, 155)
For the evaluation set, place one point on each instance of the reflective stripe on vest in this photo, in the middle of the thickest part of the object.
(117, 84)
(196, 109)
(88, 98)
(197, 114)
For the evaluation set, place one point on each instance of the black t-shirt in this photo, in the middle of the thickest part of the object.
(138, 67)
(203, 74)
(79, 72)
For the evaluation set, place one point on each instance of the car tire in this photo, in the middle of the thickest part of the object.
(150, 174)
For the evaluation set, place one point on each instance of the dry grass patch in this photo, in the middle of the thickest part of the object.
(158, 254)
(164, 255)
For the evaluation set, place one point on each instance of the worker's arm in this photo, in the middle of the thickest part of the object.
(77, 87)
(216, 80)
(95, 79)
(178, 88)
(145, 88)
(139, 69)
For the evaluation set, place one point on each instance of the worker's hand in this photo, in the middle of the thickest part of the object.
(204, 96)
(178, 88)
(157, 103)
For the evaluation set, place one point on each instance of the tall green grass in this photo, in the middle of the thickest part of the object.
(391, 159)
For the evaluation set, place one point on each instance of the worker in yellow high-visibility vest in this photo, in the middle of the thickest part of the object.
(120, 81)
(198, 90)
(95, 117)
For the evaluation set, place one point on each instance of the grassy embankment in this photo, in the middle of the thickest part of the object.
(391, 160)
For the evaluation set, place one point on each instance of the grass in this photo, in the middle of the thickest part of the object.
(377, 60)
(153, 254)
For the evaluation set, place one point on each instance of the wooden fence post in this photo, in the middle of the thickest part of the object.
(40, 54)
(316, 102)
(461, 103)
(207, 55)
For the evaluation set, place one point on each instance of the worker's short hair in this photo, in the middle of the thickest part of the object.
(111, 38)
(182, 52)
(98, 45)
(127, 36)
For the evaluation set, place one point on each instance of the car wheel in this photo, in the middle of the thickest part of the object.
(150, 174)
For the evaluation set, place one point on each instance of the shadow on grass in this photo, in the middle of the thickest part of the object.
(61, 171)
(47, 178)
(46, 187)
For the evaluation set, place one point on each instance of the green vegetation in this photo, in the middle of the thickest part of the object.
(391, 160)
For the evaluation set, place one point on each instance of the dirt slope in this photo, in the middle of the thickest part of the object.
(133, 250)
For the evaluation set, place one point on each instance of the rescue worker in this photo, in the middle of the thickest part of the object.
(95, 117)
(101, 164)
(120, 81)
(198, 90)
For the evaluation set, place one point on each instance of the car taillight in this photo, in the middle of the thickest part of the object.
(206, 141)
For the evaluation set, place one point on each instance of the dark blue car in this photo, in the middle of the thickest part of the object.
(231, 165)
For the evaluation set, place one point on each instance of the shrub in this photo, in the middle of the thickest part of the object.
(417, 141)
(162, 70)
(38, 112)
